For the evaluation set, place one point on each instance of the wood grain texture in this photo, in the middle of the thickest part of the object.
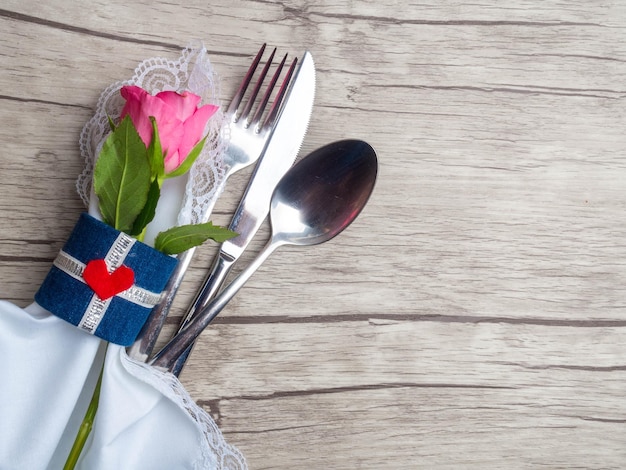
(474, 316)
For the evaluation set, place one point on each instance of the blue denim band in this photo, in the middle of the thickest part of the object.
(68, 297)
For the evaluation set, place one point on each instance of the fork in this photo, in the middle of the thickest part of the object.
(248, 135)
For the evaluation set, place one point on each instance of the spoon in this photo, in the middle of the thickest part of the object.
(315, 201)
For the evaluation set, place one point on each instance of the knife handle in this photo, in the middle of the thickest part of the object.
(211, 286)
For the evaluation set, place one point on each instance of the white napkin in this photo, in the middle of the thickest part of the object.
(48, 369)
(145, 419)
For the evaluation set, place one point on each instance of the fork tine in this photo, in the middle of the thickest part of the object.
(268, 93)
(271, 117)
(257, 87)
(236, 101)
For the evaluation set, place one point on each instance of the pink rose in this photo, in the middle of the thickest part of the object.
(180, 122)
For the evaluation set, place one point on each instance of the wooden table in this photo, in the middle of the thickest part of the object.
(474, 316)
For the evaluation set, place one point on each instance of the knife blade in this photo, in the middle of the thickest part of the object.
(278, 156)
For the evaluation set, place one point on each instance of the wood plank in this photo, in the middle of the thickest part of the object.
(429, 427)
(416, 394)
(362, 353)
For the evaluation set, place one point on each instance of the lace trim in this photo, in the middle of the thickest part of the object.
(192, 71)
(216, 453)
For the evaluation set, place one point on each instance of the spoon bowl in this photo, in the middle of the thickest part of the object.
(323, 193)
(313, 202)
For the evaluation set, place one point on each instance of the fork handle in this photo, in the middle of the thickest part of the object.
(211, 286)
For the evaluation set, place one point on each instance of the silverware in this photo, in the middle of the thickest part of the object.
(248, 136)
(278, 156)
(315, 200)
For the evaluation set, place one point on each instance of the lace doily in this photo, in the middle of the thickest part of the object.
(192, 71)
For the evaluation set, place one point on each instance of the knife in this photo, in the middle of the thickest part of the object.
(278, 155)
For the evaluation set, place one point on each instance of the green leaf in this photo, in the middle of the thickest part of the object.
(111, 123)
(122, 177)
(155, 153)
(191, 158)
(179, 239)
(149, 210)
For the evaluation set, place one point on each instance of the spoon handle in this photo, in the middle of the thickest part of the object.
(166, 358)
(213, 283)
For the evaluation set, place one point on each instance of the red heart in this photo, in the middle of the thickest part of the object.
(105, 284)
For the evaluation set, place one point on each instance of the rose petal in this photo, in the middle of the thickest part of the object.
(172, 162)
(132, 107)
(194, 129)
(171, 132)
(140, 106)
(132, 92)
(183, 104)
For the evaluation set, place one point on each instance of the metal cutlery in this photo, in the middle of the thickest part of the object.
(249, 134)
(315, 200)
(279, 154)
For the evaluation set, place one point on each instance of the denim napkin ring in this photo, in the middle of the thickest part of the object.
(105, 282)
